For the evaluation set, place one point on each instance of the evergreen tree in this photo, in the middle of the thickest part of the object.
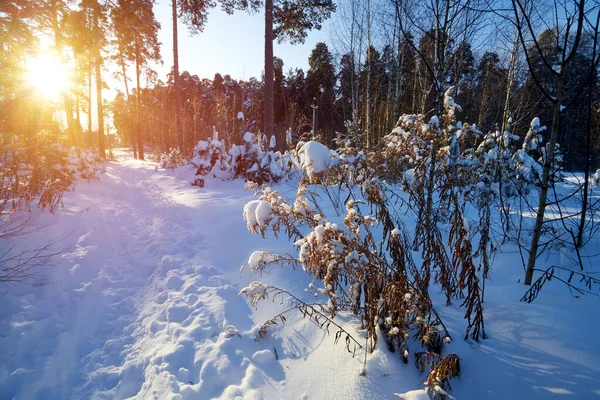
(320, 82)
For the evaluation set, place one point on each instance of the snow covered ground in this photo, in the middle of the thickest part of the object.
(144, 304)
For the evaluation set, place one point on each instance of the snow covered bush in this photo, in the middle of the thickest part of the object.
(37, 172)
(596, 178)
(316, 158)
(172, 159)
(364, 264)
(253, 161)
(42, 171)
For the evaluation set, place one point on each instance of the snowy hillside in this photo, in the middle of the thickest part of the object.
(143, 303)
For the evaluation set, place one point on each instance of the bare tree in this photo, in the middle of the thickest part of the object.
(568, 45)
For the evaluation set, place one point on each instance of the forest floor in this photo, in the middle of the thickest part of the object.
(144, 304)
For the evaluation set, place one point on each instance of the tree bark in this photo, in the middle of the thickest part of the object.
(268, 100)
(179, 132)
(138, 132)
(58, 46)
(124, 71)
(98, 67)
(509, 83)
(89, 99)
(549, 161)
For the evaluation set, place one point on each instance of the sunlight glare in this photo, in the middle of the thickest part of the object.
(48, 75)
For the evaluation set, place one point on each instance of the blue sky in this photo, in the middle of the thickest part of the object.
(230, 44)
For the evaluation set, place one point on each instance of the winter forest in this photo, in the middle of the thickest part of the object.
(299, 199)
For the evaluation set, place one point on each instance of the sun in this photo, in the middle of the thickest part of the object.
(48, 76)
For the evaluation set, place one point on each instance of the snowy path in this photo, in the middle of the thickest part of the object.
(139, 304)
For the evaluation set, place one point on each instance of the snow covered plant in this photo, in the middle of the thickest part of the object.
(436, 165)
(316, 158)
(211, 157)
(529, 160)
(596, 178)
(254, 161)
(34, 170)
(364, 264)
(42, 169)
(172, 159)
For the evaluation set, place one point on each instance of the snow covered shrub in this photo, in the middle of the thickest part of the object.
(596, 178)
(252, 161)
(316, 158)
(172, 159)
(529, 161)
(364, 264)
(85, 163)
(441, 371)
(40, 169)
(259, 164)
(44, 169)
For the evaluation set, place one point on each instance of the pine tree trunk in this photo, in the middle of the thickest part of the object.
(268, 100)
(89, 98)
(138, 132)
(58, 46)
(179, 133)
(509, 83)
(98, 66)
(124, 71)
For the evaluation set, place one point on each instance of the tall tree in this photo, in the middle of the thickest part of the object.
(552, 89)
(284, 20)
(98, 33)
(17, 42)
(136, 30)
(320, 82)
(194, 14)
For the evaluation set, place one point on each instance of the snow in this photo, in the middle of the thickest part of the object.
(145, 304)
(263, 356)
(257, 214)
(248, 137)
(414, 395)
(316, 158)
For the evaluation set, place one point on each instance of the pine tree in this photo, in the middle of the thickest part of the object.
(284, 20)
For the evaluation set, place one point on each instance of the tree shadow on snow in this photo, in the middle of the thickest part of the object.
(528, 356)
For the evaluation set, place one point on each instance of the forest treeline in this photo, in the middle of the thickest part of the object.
(384, 59)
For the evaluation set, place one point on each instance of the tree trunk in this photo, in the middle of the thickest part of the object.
(179, 132)
(98, 66)
(58, 47)
(124, 71)
(138, 132)
(78, 116)
(549, 161)
(89, 110)
(268, 100)
(483, 104)
(509, 83)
